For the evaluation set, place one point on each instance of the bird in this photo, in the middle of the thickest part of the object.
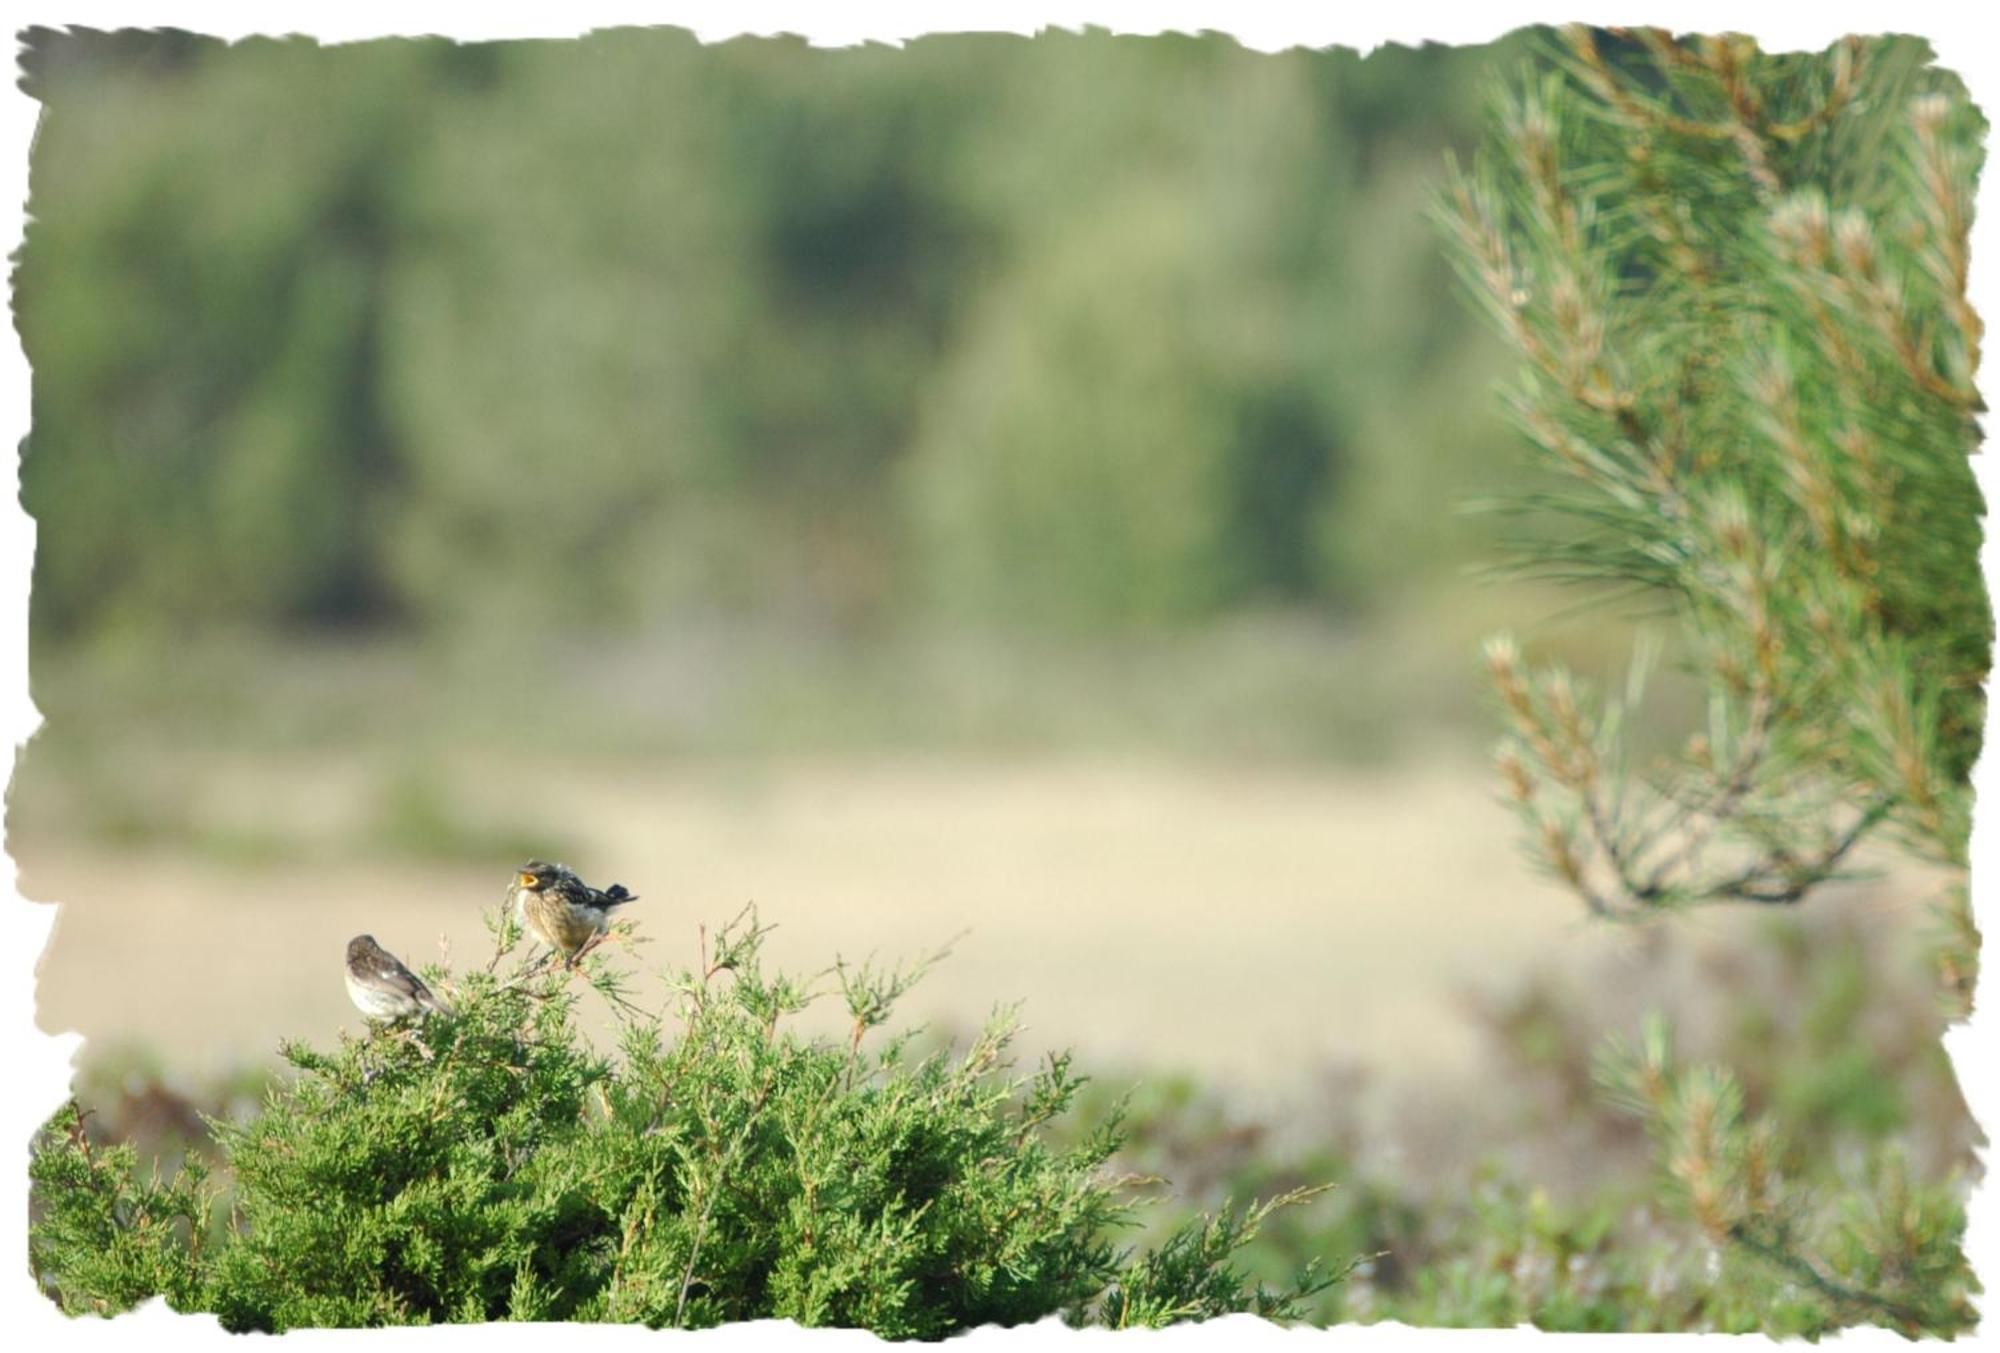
(382, 988)
(561, 909)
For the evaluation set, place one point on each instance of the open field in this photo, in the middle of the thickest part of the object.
(1243, 923)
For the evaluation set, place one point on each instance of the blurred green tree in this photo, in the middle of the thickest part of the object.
(1152, 418)
(201, 297)
(620, 330)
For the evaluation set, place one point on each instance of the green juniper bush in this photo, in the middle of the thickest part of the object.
(732, 1170)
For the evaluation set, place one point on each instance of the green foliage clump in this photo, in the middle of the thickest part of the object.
(1890, 1252)
(491, 1165)
(106, 1239)
(1164, 405)
(1521, 1193)
(1082, 474)
(1140, 373)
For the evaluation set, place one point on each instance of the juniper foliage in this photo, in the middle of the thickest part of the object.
(492, 1166)
(1736, 284)
(116, 1238)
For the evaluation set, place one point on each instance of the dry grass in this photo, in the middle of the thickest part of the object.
(1243, 924)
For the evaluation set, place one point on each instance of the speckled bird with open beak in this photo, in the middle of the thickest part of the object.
(562, 910)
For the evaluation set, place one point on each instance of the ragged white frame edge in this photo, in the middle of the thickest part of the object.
(38, 1064)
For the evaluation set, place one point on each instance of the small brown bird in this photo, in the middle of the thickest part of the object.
(561, 909)
(382, 988)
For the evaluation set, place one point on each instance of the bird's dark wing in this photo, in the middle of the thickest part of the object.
(572, 890)
(387, 971)
(616, 894)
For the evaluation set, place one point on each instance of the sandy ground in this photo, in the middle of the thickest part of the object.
(1250, 925)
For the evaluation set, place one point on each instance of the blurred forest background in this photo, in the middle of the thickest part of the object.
(1085, 333)
(973, 435)
(999, 485)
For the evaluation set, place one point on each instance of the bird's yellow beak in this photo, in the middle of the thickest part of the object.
(527, 880)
